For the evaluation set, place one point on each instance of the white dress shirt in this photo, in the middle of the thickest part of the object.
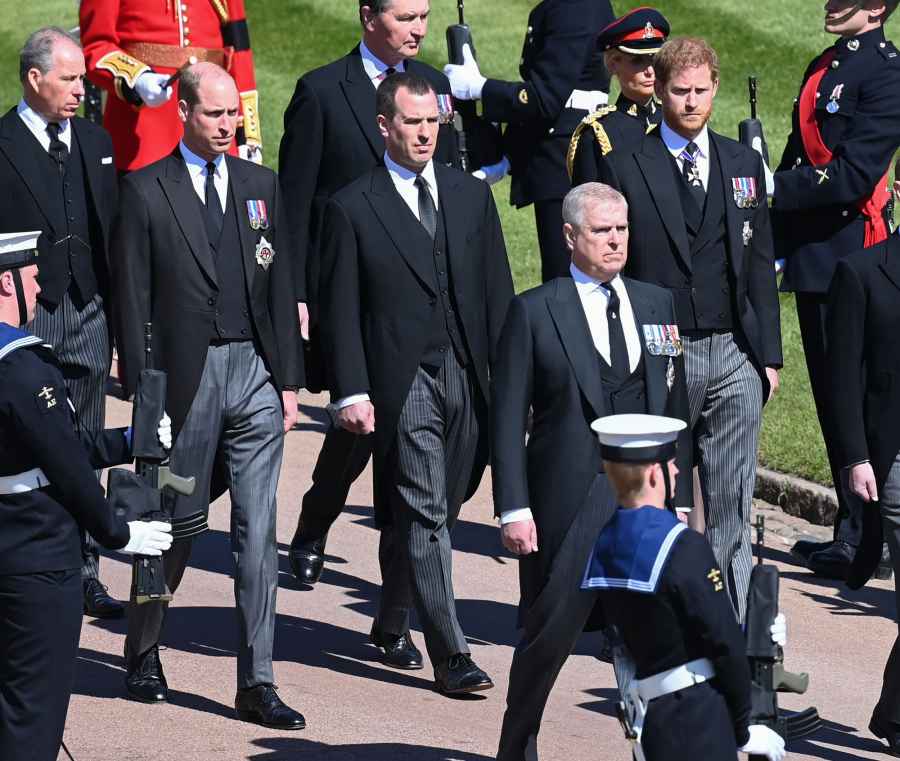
(37, 125)
(196, 166)
(676, 145)
(405, 182)
(374, 66)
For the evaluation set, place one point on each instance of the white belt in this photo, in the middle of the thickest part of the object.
(587, 100)
(23, 482)
(686, 675)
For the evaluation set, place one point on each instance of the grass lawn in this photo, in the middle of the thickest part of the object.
(761, 38)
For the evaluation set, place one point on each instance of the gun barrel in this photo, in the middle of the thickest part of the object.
(752, 84)
(461, 8)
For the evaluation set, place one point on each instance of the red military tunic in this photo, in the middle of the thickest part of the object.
(124, 38)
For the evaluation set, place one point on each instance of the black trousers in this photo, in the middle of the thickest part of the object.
(555, 254)
(40, 623)
(811, 315)
(888, 709)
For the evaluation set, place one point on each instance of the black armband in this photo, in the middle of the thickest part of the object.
(235, 34)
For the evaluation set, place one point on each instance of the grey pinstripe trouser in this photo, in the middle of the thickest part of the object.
(436, 440)
(80, 341)
(725, 396)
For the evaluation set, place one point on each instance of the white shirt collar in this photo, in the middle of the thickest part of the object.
(37, 125)
(676, 143)
(197, 164)
(403, 176)
(373, 65)
(588, 284)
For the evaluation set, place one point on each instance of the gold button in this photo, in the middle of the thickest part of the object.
(186, 30)
(186, 42)
(844, 213)
(835, 64)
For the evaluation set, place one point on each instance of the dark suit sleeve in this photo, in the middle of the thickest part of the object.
(511, 389)
(498, 282)
(131, 276)
(299, 158)
(677, 406)
(584, 162)
(106, 448)
(109, 197)
(282, 302)
(340, 294)
(845, 323)
(606, 172)
(555, 72)
(762, 288)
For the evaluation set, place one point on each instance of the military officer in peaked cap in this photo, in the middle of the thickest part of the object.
(629, 44)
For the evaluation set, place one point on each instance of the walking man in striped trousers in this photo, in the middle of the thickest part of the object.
(700, 227)
(57, 174)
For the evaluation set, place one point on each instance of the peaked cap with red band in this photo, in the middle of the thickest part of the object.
(640, 32)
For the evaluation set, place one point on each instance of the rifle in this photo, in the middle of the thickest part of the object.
(769, 677)
(752, 128)
(138, 495)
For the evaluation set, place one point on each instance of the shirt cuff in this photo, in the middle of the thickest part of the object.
(348, 400)
(511, 516)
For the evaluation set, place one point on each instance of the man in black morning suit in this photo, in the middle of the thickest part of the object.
(202, 259)
(331, 137)
(700, 227)
(572, 350)
(57, 176)
(415, 285)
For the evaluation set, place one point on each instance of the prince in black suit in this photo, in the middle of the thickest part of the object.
(201, 257)
(57, 175)
(415, 285)
(330, 138)
(700, 227)
(572, 350)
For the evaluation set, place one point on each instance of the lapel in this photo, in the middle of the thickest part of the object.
(645, 314)
(575, 336)
(177, 186)
(890, 260)
(397, 219)
(240, 191)
(21, 148)
(655, 164)
(90, 160)
(360, 94)
(728, 168)
(451, 200)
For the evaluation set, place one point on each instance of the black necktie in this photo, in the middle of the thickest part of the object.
(58, 149)
(618, 350)
(427, 212)
(214, 214)
(690, 169)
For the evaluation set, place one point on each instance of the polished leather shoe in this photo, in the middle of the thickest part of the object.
(98, 603)
(885, 568)
(261, 705)
(887, 732)
(459, 675)
(804, 548)
(834, 562)
(398, 651)
(145, 680)
(307, 557)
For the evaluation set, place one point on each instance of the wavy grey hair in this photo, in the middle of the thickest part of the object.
(577, 199)
(37, 52)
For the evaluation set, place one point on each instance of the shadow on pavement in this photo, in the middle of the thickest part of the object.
(606, 705)
(833, 734)
(290, 749)
(838, 599)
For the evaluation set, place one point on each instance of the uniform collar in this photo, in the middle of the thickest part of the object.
(630, 108)
(848, 46)
(12, 338)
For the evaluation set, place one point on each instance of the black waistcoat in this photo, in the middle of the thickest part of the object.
(232, 321)
(711, 292)
(623, 394)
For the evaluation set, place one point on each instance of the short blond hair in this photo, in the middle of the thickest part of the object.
(628, 479)
(682, 53)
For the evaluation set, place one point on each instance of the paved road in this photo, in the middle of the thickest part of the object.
(357, 710)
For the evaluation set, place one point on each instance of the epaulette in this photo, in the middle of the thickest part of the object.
(889, 52)
(592, 121)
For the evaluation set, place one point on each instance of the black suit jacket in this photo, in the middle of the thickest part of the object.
(658, 249)
(547, 362)
(164, 273)
(864, 356)
(377, 300)
(27, 200)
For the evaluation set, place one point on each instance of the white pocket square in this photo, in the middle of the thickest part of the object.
(106, 160)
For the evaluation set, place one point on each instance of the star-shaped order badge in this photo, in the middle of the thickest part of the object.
(264, 253)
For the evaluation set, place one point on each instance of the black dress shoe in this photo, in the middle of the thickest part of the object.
(307, 557)
(834, 562)
(885, 568)
(459, 675)
(261, 705)
(805, 547)
(98, 603)
(887, 732)
(399, 651)
(145, 680)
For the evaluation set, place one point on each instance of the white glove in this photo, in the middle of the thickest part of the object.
(756, 145)
(151, 87)
(764, 742)
(465, 79)
(164, 431)
(251, 152)
(778, 630)
(148, 538)
(493, 173)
